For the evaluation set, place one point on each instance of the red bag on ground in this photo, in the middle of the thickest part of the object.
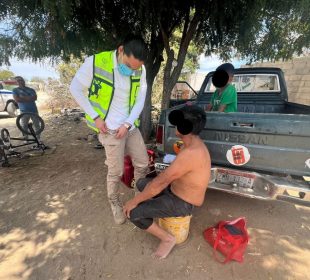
(128, 174)
(228, 237)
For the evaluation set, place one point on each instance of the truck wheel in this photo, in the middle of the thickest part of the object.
(12, 110)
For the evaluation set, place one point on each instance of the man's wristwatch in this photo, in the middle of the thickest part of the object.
(97, 117)
(128, 126)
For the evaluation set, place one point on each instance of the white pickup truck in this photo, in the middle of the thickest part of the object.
(7, 103)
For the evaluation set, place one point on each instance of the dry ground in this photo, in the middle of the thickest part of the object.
(56, 223)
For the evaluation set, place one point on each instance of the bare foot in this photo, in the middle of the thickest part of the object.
(164, 248)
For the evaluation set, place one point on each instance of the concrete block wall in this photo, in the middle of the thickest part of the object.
(297, 77)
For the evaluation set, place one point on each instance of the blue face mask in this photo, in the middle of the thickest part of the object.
(124, 69)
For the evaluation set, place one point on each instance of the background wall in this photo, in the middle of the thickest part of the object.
(297, 76)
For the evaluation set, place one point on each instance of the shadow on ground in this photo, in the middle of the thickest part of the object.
(55, 223)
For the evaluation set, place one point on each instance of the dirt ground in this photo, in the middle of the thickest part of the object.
(56, 223)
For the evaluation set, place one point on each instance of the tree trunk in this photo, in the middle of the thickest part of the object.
(152, 68)
(172, 74)
(146, 124)
(167, 75)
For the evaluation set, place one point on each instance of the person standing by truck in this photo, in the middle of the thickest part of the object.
(224, 99)
(116, 85)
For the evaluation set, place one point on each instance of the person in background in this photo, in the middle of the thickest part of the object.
(180, 187)
(26, 99)
(224, 99)
(116, 85)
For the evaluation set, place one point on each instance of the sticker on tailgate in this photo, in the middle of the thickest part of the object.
(238, 155)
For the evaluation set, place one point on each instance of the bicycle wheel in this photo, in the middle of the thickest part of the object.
(23, 121)
(5, 135)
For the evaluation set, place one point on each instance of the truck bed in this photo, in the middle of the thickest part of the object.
(272, 106)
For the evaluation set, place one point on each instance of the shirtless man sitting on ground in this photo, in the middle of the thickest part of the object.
(180, 187)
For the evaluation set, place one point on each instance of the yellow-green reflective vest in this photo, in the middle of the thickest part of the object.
(101, 90)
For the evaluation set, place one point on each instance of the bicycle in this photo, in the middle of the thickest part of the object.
(7, 149)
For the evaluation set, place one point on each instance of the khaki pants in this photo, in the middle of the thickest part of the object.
(133, 145)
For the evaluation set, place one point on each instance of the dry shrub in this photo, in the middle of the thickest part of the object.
(59, 96)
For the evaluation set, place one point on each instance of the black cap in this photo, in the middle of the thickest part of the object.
(227, 67)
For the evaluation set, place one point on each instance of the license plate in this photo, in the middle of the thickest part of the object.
(161, 166)
(244, 180)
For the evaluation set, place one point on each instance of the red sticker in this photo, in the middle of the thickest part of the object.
(238, 155)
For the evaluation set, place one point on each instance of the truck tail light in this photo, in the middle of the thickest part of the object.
(159, 134)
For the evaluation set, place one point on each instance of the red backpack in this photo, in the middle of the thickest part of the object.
(228, 237)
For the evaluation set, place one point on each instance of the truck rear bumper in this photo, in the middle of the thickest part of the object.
(256, 185)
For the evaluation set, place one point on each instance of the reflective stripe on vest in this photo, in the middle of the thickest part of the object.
(101, 90)
(103, 73)
(91, 124)
(97, 105)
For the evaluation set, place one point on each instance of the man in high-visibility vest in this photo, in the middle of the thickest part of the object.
(116, 85)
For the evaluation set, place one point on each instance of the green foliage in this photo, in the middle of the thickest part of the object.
(255, 30)
(6, 74)
(269, 30)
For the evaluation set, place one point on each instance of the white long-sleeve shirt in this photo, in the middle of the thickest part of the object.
(119, 109)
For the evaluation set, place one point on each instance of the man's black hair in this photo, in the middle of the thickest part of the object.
(135, 45)
(196, 115)
(227, 67)
(19, 78)
(188, 119)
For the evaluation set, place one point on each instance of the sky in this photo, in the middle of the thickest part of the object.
(210, 63)
(28, 69)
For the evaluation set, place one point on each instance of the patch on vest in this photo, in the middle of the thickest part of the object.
(94, 88)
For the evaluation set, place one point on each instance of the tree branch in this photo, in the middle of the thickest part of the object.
(185, 25)
(165, 38)
(186, 39)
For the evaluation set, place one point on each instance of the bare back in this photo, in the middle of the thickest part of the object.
(192, 185)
